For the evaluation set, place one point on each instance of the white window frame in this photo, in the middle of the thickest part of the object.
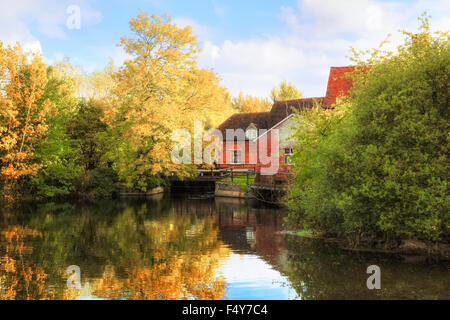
(251, 134)
(287, 154)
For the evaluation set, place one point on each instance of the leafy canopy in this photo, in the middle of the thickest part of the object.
(286, 91)
(376, 166)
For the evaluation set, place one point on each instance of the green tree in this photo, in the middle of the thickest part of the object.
(71, 151)
(57, 150)
(380, 169)
(85, 127)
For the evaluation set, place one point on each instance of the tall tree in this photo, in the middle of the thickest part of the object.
(57, 151)
(248, 103)
(285, 91)
(157, 91)
(377, 165)
(23, 113)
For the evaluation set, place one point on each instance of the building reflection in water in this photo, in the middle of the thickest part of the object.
(253, 233)
(174, 247)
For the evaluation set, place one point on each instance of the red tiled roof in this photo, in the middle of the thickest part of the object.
(266, 120)
(243, 120)
(338, 85)
(282, 109)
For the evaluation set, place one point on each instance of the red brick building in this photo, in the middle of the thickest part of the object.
(257, 129)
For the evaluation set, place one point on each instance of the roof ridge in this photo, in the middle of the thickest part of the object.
(249, 112)
(299, 99)
(341, 67)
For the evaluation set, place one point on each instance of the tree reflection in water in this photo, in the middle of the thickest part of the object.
(175, 248)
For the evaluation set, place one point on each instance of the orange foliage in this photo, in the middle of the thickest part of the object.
(18, 280)
(22, 113)
(177, 278)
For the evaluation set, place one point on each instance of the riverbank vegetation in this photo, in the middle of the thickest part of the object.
(64, 133)
(375, 168)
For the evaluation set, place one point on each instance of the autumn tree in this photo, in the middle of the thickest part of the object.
(249, 103)
(23, 113)
(285, 91)
(158, 90)
(99, 85)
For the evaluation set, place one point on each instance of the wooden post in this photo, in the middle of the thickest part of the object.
(247, 177)
(232, 174)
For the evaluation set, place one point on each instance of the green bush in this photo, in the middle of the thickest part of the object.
(55, 180)
(102, 183)
(381, 169)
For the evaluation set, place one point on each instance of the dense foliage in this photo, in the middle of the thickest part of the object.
(64, 133)
(248, 103)
(23, 115)
(159, 90)
(286, 91)
(376, 166)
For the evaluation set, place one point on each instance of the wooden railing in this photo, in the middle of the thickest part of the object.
(242, 172)
(227, 172)
(222, 172)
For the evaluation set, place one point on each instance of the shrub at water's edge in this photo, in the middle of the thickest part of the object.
(376, 166)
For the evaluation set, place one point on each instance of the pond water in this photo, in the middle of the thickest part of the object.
(174, 247)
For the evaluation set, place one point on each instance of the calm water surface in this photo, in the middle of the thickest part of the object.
(174, 247)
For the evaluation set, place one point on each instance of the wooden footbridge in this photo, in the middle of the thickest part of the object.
(270, 190)
(217, 174)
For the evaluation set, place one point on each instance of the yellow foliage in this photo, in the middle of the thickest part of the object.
(286, 91)
(22, 114)
(160, 90)
(248, 103)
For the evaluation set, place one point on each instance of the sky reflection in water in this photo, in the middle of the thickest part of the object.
(176, 248)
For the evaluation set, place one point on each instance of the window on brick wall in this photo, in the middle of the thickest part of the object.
(251, 134)
(287, 152)
(235, 156)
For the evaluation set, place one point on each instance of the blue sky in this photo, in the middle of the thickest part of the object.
(252, 45)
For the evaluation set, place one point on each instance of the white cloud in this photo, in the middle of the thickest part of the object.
(257, 65)
(47, 18)
(318, 35)
(115, 53)
(359, 17)
(442, 24)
